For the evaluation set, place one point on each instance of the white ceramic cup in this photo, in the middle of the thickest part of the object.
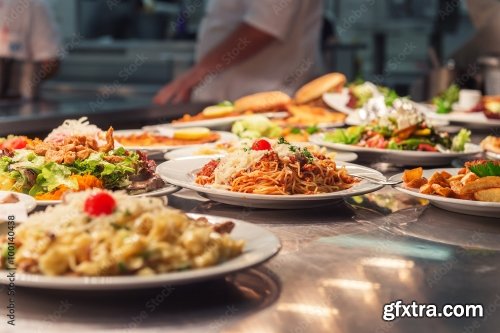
(467, 98)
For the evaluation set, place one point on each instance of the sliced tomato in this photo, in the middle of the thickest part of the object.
(17, 143)
(377, 141)
(426, 147)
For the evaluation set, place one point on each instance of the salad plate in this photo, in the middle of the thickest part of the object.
(400, 157)
(469, 207)
(168, 132)
(182, 172)
(260, 246)
(74, 157)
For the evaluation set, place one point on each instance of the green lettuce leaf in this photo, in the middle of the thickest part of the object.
(489, 168)
(5, 161)
(350, 136)
(51, 176)
(113, 176)
(459, 141)
(256, 126)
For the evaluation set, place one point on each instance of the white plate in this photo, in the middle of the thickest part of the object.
(469, 207)
(193, 151)
(399, 157)
(167, 189)
(261, 245)
(28, 201)
(475, 120)
(181, 172)
(224, 136)
(216, 123)
(338, 101)
(493, 156)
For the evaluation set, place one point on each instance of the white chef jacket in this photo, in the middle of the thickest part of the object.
(28, 31)
(290, 61)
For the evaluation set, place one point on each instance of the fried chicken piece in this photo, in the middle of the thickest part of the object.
(91, 143)
(110, 142)
(113, 159)
(83, 154)
(56, 156)
(80, 148)
(42, 148)
(69, 147)
(69, 157)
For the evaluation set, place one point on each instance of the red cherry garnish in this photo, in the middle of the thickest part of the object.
(261, 145)
(101, 203)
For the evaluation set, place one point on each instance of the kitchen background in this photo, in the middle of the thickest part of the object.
(387, 41)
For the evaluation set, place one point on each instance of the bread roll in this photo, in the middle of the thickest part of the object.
(316, 88)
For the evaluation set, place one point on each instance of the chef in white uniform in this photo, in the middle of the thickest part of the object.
(247, 46)
(29, 44)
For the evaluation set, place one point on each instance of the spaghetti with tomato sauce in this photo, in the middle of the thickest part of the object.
(282, 169)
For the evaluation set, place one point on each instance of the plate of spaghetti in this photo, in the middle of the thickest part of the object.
(102, 240)
(270, 174)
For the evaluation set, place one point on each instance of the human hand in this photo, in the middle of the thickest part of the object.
(179, 90)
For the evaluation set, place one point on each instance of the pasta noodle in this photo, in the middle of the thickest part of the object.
(285, 170)
(140, 237)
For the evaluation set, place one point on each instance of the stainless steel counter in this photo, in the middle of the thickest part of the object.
(338, 267)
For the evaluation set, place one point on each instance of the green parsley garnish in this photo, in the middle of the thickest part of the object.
(295, 130)
(282, 141)
(307, 154)
(312, 129)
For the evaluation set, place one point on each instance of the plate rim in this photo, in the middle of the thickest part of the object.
(167, 189)
(484, 122)
(224, 136)
(169, 153)
(270, 197)
(30, 202)
(319, 140)
(176, 278)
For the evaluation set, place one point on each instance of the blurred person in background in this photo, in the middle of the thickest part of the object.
(247, 46)
(485, 16)
(29, 47)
